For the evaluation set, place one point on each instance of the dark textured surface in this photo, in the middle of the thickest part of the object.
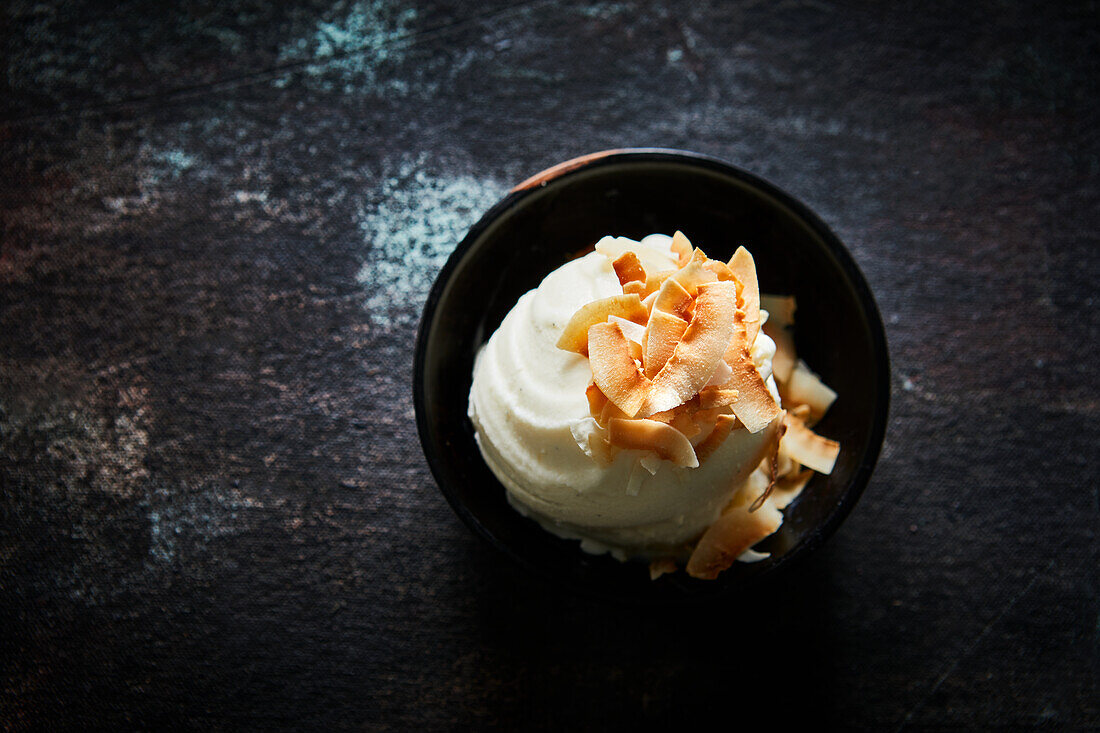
(219, 223)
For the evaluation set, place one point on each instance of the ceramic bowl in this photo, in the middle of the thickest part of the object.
(550, 218)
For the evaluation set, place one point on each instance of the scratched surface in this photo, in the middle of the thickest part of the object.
(219, 223)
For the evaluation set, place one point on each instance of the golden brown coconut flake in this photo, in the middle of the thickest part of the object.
(652, 260)
(711, 397)
(673, 298)
(629, 268)
(658, 437)
(809, 448)
(723, 426)
(700, 349)
(613, 367)
(694, 273)
(755, 406)
(721, 270)
(744, 269)
(806, 388)
(681, 247)
(661, 337)
(575, 335)
(596, 399)
(728, 537)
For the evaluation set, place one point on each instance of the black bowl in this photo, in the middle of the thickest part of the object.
(549, 219)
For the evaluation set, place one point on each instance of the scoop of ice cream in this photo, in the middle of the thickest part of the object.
(532, 420)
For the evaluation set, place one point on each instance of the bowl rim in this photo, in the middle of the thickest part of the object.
(566, 169)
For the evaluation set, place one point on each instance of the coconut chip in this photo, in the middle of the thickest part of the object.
(806, 388)
(729, 537)
(675, 299)
(754, 406)
(744, 269)
(575, 335)
(664, 440)
(596, 399)
(652, 260)
(723, 426)
(681, 247)
(694, 273)
(629, 268)
(809, 448)
(697, 355)
(661, 337)
(613, 368)
(633, 331)
(711, 397)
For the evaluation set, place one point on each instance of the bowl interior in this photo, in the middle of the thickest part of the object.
(530, 233)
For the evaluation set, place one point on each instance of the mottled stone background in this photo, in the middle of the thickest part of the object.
(219, 222)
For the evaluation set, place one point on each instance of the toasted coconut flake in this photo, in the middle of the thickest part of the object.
(634, 287)
(662, 334)
(727, 539)
(651, 259)
(682, 418)
(681, 247)
(700, 349)
(744, 268)
(648, 302)
(723, 426)
(711, 397)
(654, 281)
(664, 440)
(673, 298)
(613, 367)
(629, 268)
(721, 270)
(596, 399)
(610, 412)
(575, 335)
(754, 406)
(809, 448)
(633, 331)
(657, 568)
(694, 273)
(806, 388)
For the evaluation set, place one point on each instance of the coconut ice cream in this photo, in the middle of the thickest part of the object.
(629, 402)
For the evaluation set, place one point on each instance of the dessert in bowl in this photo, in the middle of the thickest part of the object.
(631, 505)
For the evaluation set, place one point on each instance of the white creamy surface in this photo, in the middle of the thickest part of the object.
(526, 397)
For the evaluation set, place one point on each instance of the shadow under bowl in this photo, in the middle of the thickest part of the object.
(558, 214)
